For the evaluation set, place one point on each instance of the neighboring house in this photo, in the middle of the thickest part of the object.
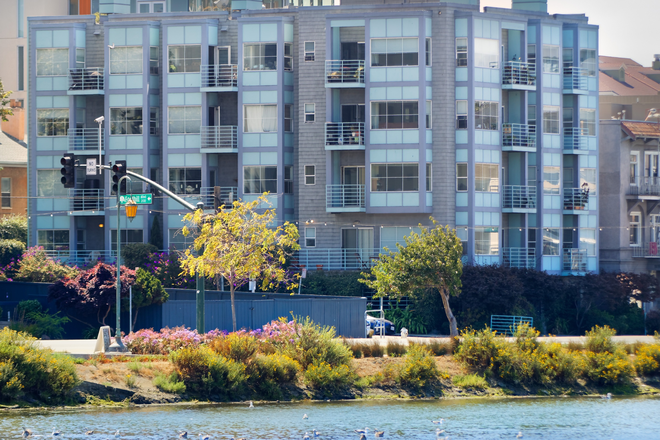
(13, 176)
(362, 119)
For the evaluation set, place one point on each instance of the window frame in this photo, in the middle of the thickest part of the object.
(462, 117)
(428, 49)
(490, 61)
(288, 179)
(461, 52)
(80, 64)
(288, 118)
(390, 180)
(484, 182)
(551, 62)
(550, 248)
(52, 122)
(187, 62)
(589, 65)
(288, 57)
(263, 181)
(5, 192)
(154, 121)
(429, 177)
(49, 184)
(196, 127)
(309, 239)
(117, 50)
(588, 123)
(531, 111)
(182, 179)
(54, 245)
(462, 174)
(261, 55)
(376, 62)
(634, 176)
(390, 118)
(307, 175)
(20, 63)
(309, 116)
(488, 121)
(429, 114)
(154, 63)
(553, 188)
(64, 62)
(245, 118)
(550, 123)
(584, 244)
(635, 225)
(125, 232)
(126, 121)
(479, 241)
(309, 55)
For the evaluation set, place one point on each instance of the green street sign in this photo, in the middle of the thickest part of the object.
(140, 199)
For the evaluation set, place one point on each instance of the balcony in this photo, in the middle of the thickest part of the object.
(521, 258)
(84, 202)
(518, 75)
(575, 140)
(344, 135)
(338, 258)
(87, 81)
(83, 140)
(647, 250)
(519, 137)
(519, 199)
(219, 139)
(647, 189)
(574, 261)
(575, 81)
(219, 78)
(576, 200)
(226, 195)
(344, 198)
(344, 73)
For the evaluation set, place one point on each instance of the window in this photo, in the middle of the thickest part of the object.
(5, 192)
(635, 229)
(21, 20)
(126, 60)
(462, 234)
(260, 56)
(531, 53)
(387, 115)
(127, 236)
(309, 51)
(634, 167)
(390, 236)
(486, 53)
(258, 180)
(588, 61)
(259, 118)
(461, 52)
(588, 240)
(550, 58)
(135, 186)
(53, 240)
(288, 56)
(428, 52)
(394, 52)
(154, 60)
(288, 118)
(154, 121)
(486, 115)
(48, 184)
(551, 180)
(567, 57)
(461, 114)
(531, 115)
(179, 241)
(185, 180)
(310, 237)
(429, 115)
(184, 59)
(428, 176)
(486, 177)
(288, 179)
(310, 110)
(588, 180)
(486, 241)
(52, 122)
(52, 62)
(461, 177)
(550, 241)
(551, 119)
(184, 120)
(531, 176)
(80, 58)
(125, 120)
(395, 177)
(310, 174)
(588, 122)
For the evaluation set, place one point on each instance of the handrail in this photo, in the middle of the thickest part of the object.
(518, 135)
(344, 71)
(228, 195)
(344, 133)
(81, 139)
(574, 260)
(219, 75)
(576, 198)
(343, 196)
(90, 78)
(519, 73)
(86, 199)
(519, 257)
(575, 78)
(220, 137)
(338, 258)
(575, 138)
(519, 196)
(646, 186)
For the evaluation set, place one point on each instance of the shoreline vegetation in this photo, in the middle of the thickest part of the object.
(293, 360)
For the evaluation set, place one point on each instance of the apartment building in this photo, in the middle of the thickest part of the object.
(361, 119)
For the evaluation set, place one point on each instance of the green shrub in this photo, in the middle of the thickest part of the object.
(606, 368)
(1, 314)
(14, 227)
(647, 362)
(356, 348)
(343, 283)
(240, 347)
(276, 367)
(10, 250)
(575, 346)
(31, 319)
(599, 340)
(470, 381)
(439, 348)
(418, 368)
(314, 343)
(37, 267)
(10, 381)
(208, 374)
(169, 384)
(396, 349)
(376, 351)
(25, 308)
(407, 318)
(325, 378)
(136, 255)
(478, 348)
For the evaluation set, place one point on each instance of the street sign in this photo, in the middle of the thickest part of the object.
(140, 199)
(91, 167)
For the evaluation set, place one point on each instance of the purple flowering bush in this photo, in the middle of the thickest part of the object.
(36, 266)
(166, 266)
(167, 340)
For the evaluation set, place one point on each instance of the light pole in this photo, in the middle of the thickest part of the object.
(100, 120)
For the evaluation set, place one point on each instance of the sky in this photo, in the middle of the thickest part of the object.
(626, 27)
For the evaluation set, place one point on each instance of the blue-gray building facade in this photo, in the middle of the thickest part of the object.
(362, 120)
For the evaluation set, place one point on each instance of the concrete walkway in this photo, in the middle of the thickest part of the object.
(75, 347)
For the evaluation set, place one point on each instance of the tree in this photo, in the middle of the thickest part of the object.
(156, 234)
(147, 291)
(241, 244)
(4, 100)
(14, 227)
(429, 261)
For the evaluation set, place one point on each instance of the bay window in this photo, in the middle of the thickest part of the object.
(52, 62)
(184, 120)
(260, 56)
(394, 177)
(387, 115)
(125, 60)
(394, 52)
(184, 58)
(259, 179)
(260, 118)
(550, 58)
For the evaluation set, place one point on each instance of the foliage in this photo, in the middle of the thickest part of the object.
(408, 318)
(169, 384)
(166, 340)
(166, 266)
(4, 100)
(325, 378)
(10, 250)
(376, 351)
(470, 381)
(37, 267)
(240, 244)
(28, 370)
(396, 349)
(606, 368)
(27, 307)
(1, 313)
(342, 283)
(429, 261)
(136, 255)
(156, 233)
(93, 292)
(439, 348)
(147, 291)
(14, 227)
(647, 362)
(240, 347)
(208, 374)
(599, 340)
(31, 318)
(313, 343)
(418, 368)
(276, 367)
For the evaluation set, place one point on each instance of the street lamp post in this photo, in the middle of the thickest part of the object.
(100, 120)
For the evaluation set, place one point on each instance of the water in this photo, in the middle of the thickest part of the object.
(547, 418)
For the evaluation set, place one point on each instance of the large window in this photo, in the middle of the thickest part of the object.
(5, 192)
(588, 61)
(52, 62)
(486, 115)
(126, 120)
(486, 241)
(184, 120)
(259, 118)
(486, 53)
(551, 119)
(53, 239)
(394, 177)
(126, 60)
(588, 121)
(52, 122)
(461, 177)
(461, 52)
(635, 229)
(258, 180)
(588, 180)
(185, 180)
(486, 177)
(127, 236)
(551, 180)
(588, 240)
(461, 114)
(184, 59)
(260, 56)
(179, 241)
(387, 115)
(48, 184)
(550, 241)
(550, 58)
(288, 56)
(394, 52)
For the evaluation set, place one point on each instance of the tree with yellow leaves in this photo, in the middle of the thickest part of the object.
(240, 243)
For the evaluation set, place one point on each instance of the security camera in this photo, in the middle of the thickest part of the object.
(99, 119)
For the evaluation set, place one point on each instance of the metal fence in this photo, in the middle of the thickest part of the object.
(519, 257)
(338, 258)
(645, 186)
(344, 71)
(519, 135)
(84, 139)
(575, 79)
(345, 197)
(575, 198)
(86, 200)
(507, 324)
(574, 260)
(221, 137)
(219, 75)
(519, 73)
(86, 80)
(344, 134)
(518, 197)
(575, 138)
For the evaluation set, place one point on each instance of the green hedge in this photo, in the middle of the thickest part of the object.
(10, 249)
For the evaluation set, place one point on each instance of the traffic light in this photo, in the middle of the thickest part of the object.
(68, 171)
(119, 168)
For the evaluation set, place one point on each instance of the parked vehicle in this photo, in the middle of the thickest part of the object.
(374, 324)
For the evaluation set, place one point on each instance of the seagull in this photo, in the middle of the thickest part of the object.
(183, 434)
(111, 46)
(56, 433)
(362, 431)
(306, 436)
(305, 416)
(26, 433)
(89, 432)
(438, 432)
(316, 433)
(363, 437)
(379, 433)
(237, 439)
(608, 396)
(439, 422)
(117, 434)
(204, 437)
(251, 405)
(520, 435)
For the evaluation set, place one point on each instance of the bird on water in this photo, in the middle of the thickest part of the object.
(56, 432)
(183, 434)
(26, 433)
(379, 433)
(305, 417)
(204, 437)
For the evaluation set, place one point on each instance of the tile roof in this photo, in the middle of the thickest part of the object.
(644, 130)
(636, 82)
(12, 152)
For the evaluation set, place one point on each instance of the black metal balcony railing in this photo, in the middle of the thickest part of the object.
(86, 80)
(519, 135)
(574, 260)
(575, 79)
(519, 197)
(519, 257)
(647, 250)
(575, 138)
(224, 137)
(84, 139)
(518, 73)
(576, 198)
(646, 186)
(219, 75)
(344, 133)
(345, 197)
(344, 71)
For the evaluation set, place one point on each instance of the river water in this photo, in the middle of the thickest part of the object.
(548, 418)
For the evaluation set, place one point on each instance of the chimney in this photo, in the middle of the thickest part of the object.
(530, 5)
(656, 62)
